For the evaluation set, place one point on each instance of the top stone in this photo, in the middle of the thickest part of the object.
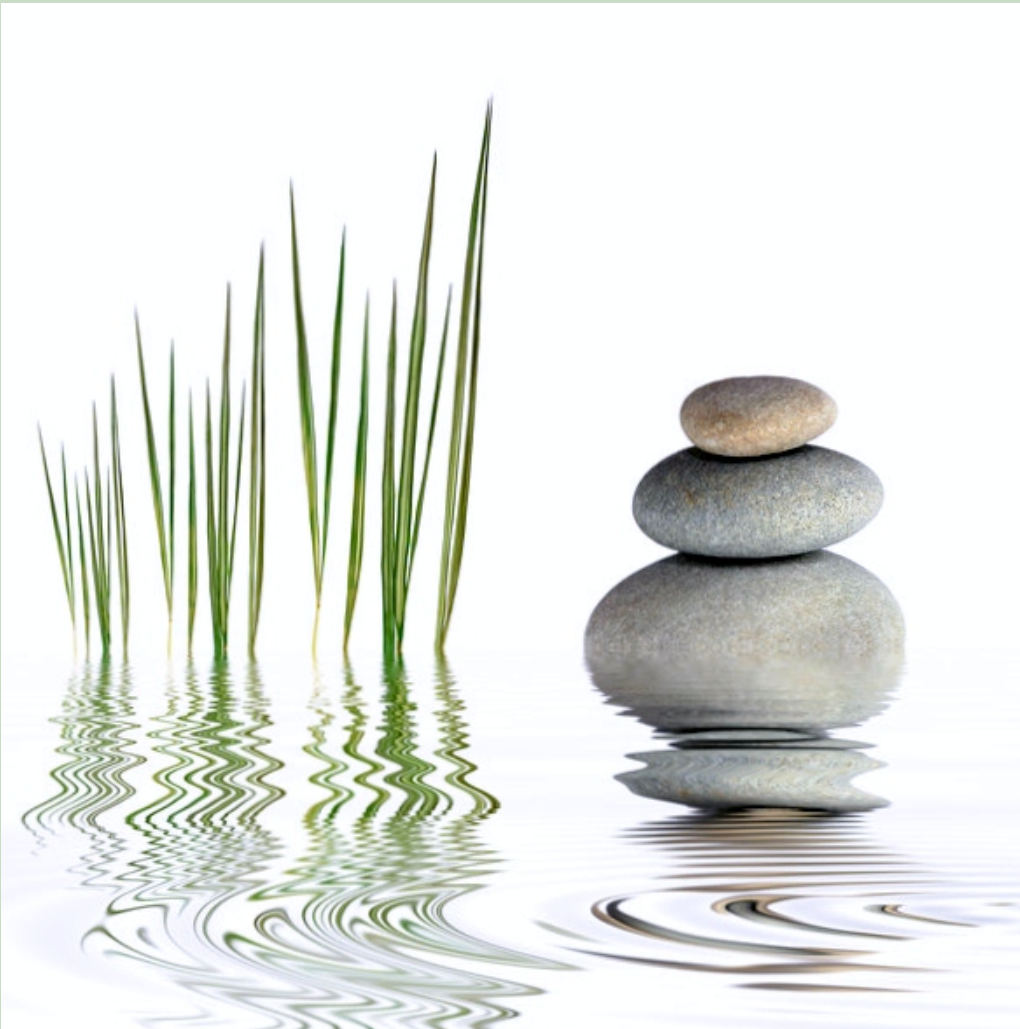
(755, 415)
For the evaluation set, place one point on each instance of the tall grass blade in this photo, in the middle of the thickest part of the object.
(99, 538)
(357, 547)
(192, 528)
(433, 418)
(334, 401)
(86, 600)
(389, 546)
(164, 536)
(63, 540)
(465, 398)
(318, 520)
(257, 467)
(171, 500)
(403, 484)
(119, 518)
(307, 405)
(223, 494)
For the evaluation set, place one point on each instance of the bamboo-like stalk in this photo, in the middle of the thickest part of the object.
(257, 465)
(461, 452)
(163, 513)
(318, 518)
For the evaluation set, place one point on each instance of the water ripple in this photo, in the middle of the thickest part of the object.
(345, 920)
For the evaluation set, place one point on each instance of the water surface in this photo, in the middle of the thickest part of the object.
(279, 845)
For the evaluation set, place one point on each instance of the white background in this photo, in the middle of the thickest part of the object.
(678, 193)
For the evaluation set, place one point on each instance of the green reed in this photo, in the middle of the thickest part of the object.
(62, 532)
(100, 540)
(222, 499)
(257, 464)
(318, 517)
(120, 539)
(192, 528)
(164, 514)
(86, 595)
(461, 453)
(357, 542)
(410, 421)
(403, 485)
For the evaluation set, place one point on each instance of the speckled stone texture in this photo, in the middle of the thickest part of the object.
(756, 414)
(788, 503)
(725, 778)
(808, 642)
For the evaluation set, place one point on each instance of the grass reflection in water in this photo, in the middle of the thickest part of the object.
(337, 918)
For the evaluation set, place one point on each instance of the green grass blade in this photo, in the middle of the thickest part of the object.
(460, 533)
(69, 539)
(465, 394)
(192, 528)
(237, 493)
(86, 600)
(389, 538)
(405, 496)
(102, 565)
(212, 539)
(307, 409)
(334, 401)
(257, 468)
(98, 573)
(433, 418)
(58, 535)
(119, 519)
(172, 485)
(155, 482)
(223, 517)
(357, 547)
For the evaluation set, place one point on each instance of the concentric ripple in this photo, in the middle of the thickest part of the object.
(774, 898)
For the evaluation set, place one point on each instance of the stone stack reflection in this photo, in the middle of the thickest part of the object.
(751, 643)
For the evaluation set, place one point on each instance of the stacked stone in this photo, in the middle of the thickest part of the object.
(752, 486)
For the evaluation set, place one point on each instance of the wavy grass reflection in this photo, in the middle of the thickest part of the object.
(98, 732)
(344, 917)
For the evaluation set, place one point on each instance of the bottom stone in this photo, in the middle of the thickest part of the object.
(807, 642)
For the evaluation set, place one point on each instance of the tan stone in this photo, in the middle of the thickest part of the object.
(754, 415)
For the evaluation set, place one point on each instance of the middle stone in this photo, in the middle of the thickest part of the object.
(773, 506)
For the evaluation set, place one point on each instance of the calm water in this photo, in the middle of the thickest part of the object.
(285, 846)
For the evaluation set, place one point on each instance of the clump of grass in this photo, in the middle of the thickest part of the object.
(318, 517)
(221, 510)
(164, 514)
(404, 474)
(461, 453)
(62, 534)
(257, 465)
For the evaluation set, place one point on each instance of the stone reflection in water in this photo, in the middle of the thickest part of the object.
(747, 665)
(342, 921)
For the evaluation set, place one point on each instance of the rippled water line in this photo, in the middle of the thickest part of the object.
(356, 929)
(799, 889)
